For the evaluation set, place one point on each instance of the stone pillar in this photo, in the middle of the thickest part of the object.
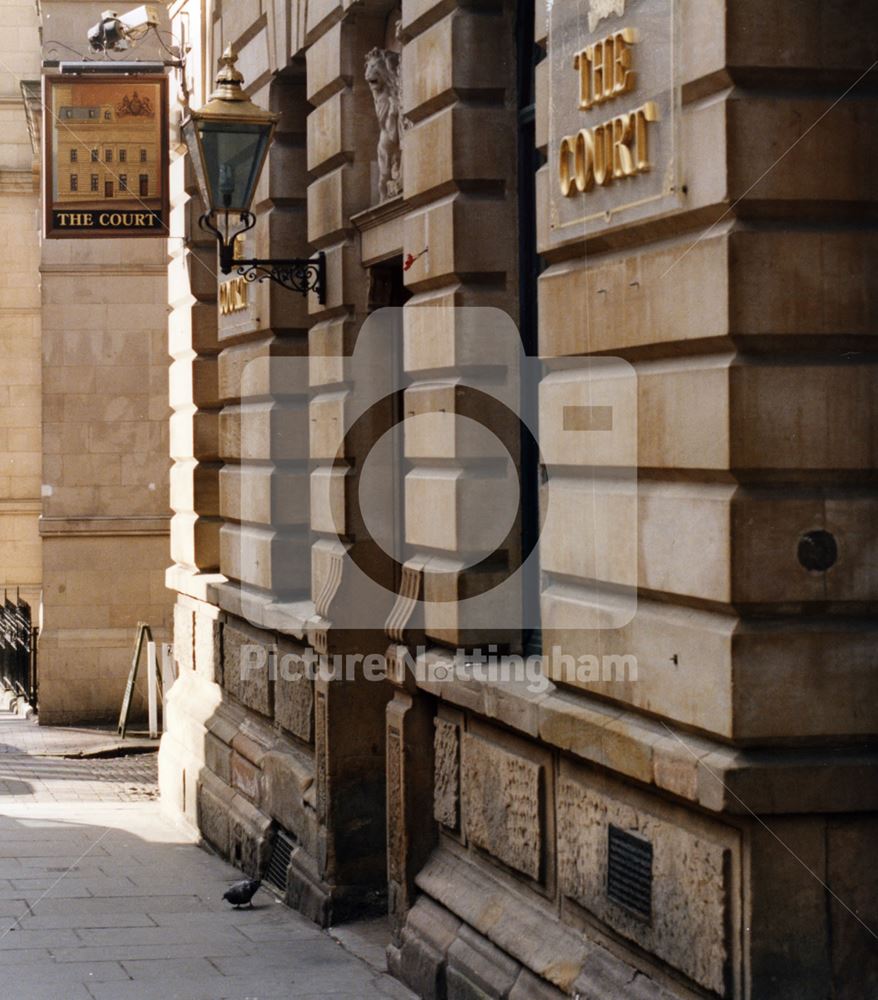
(411, 829)
(459, 173)
(350, 875)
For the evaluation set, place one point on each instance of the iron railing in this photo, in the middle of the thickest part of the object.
(18, 648)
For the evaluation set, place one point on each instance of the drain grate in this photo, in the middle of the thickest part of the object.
(629, 872)
(279, 863)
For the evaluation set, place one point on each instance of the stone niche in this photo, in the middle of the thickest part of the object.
(695, 875)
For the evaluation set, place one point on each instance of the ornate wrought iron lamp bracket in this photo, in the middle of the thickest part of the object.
(298, 274)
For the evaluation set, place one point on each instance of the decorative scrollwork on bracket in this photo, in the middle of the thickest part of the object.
(297, 275)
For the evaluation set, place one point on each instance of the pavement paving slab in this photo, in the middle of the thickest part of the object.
(103, 897)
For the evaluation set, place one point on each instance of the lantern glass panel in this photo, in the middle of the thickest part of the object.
(232, 154)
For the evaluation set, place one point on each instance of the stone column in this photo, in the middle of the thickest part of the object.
(349, 716)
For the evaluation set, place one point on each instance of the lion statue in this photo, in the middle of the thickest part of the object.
(382, 75)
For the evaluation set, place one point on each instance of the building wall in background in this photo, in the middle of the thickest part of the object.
(84, 483)
(20, 369)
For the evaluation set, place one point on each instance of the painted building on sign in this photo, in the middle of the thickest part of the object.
(522, 585)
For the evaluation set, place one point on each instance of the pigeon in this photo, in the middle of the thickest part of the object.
(242, 892)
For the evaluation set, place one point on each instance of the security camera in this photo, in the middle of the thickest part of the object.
(115, 31)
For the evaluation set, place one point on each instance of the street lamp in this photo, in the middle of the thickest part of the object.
(228, 141)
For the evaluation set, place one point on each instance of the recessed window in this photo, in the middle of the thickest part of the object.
(74, 182)
(94, 156)
(123, 182)
(73, 155)
(143, 156)
(108, 155)
(94, 182)
(107, 115)
(144, 185)
(123, 155)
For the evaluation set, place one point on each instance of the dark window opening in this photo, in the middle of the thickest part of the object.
(387, 290)
(529, 267)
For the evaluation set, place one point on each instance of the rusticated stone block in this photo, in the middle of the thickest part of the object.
(458, 144)
(477, 969)
(464, 51)
(420, 961)
(245, 777)
(248, 836)
(691, 882)
(501, 800)
(217, 757)
(184, 637)
(446, 782)
(207, 648)
(213, 819)
(529, 987)
(286, 780)
(293, 693)
(245, 668)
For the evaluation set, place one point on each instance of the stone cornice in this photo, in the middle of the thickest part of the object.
(99, 526)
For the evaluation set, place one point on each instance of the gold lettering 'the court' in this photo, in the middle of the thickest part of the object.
(617, 148)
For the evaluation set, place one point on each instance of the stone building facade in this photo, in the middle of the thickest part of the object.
(84, 516)
(701, 828)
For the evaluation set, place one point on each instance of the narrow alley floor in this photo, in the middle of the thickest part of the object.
(104, 898)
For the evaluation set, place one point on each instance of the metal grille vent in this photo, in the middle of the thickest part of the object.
(279, 863)
(629, 872)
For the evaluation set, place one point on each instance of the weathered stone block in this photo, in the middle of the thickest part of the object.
(463, 52)
(218, 758)
(245, 777)
(446, 781)
(692, 884)
(293, 693)
(272, 560)
(208, 657)
(430, 929)
(213, 819)
(245, 667)
(458, 144)
(477, 970)
(286, 780)
(184, 637)
(501, 794)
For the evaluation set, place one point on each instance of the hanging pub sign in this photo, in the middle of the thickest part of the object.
(106, 156)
